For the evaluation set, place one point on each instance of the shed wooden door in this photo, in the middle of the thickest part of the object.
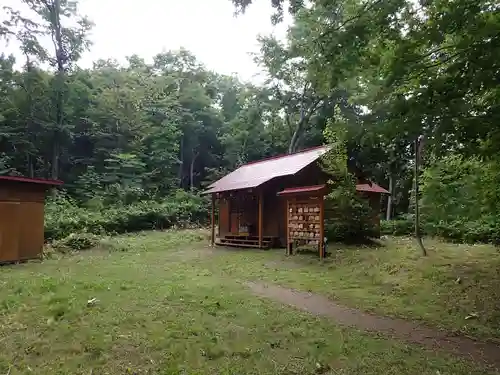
(31, 230)
(9, 231)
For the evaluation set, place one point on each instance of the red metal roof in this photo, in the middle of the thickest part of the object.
(283, 155)
(256, 173)
(41, 181)
(371, 188)
(303, 189)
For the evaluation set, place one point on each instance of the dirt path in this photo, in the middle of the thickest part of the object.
(486, 353)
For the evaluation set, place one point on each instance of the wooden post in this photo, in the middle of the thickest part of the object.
(213, 220)
(322, 227)
(287, 214)
(260, 229)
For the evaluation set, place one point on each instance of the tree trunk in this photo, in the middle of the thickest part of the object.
(29, 120)
(58, 127)
(191, 171)
(299, 129)
(417, 213)
(295, 138)
(61, 58)
(31, 169)
(54, 174)
(181, 166)
(388, 213)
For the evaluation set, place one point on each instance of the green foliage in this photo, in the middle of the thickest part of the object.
(386, 72)
(461, 230)
(486, 230)
(348, 213)
(64, 218)
(121, 133)
(460, 199)
(76, 242)
(458, 187)
(408, 69)
(349, 219)
(397, 227)
(137, 130)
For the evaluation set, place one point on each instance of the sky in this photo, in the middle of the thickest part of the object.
(208, 28)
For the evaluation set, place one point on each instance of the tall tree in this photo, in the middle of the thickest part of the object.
(292, 88)
(59, 21)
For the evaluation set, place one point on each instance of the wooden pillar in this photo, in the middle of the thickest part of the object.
(261, 219)
(322, 227)
(287, 218)
(212, 239)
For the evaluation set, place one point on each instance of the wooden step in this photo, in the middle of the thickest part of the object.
(242, 243)
(253, 246)
(256, 238)
(242, 240)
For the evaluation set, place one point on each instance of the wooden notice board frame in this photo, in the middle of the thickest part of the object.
(304, 216)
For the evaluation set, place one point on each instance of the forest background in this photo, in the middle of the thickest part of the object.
(135, 143)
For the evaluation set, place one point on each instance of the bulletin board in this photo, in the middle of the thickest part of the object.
(305, 222)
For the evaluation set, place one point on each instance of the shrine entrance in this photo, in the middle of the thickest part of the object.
(243, 214)
(244, 220)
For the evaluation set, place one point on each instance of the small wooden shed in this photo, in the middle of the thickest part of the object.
(277, 201)
(22, 217)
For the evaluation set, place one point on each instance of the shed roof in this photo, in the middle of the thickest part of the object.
(40, 181)
(303, 189)
(256, 173)
(371, 188)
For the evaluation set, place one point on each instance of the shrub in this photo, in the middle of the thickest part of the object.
(398, 227)
(458, 189)
(485, 230)
(349, 219)
(63, 217)
(459, 202)
(460, 199)
(349, 214)
(76, 241)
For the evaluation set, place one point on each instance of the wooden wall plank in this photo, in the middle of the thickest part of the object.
(21, 192)
(212, 239)
(31, 230)
(223, 216)
(261, 218)
(9, 231)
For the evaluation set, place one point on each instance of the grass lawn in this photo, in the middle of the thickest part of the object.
(442, 289)
(167, 304)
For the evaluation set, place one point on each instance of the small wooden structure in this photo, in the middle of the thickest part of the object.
(22, 217)
(305, 211)
(253, 202)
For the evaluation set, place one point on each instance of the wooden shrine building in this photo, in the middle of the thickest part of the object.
(22, 217)
(277, 201)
